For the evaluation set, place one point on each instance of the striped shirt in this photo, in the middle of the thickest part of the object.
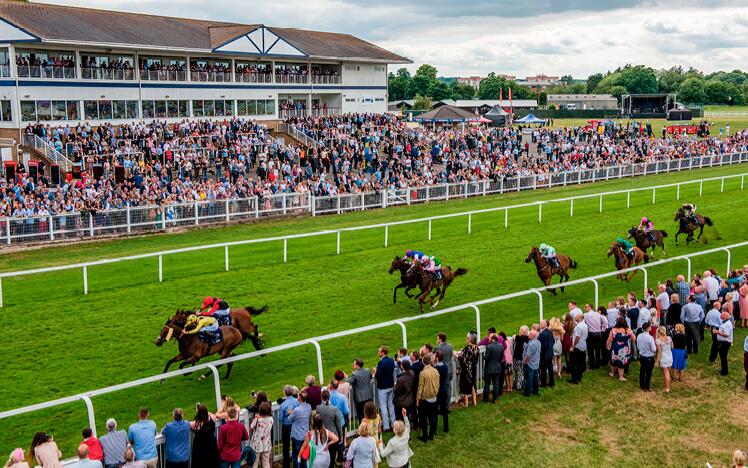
(114, 444)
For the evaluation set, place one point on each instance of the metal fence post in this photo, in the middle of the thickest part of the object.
(540, 213)
(90, 224)
(337, 249)
(129, 227)
(466, 189)
(477, 318)
(470, 222)
(228, 214)
(405, 333)
(216, 384)
(506, 218)
(722, 189)
(7, 229)
(601, 203)
(540, 304)
(407, 196)
(319, 360)
(446, 186)
(519, 183)
(677, 192)
(687, 259)
(597, 292)
(197, 220)
(386, 234)
(338, 202)
(646, 279)
(285, 249)
(654, 194)
(90, 411)
(729, 257)
(628, 199)
(160, 269)
(571, 208)
(226, 257)
(429, 228)
(701, 187)
(284, 204)
(1, 292)
(384, 198)
(85, 280)
(742, 182)
(51, 228)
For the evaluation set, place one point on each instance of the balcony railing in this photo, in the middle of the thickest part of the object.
(49, 71)
(321, 112)
(291, 79)
(163, 75)
(325, 79)
(247, 77)
(95, 73)
(5, 70)
(211, 76)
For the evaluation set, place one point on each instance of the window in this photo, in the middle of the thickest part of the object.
(352, 68)
(164, 109)
(211, 108)
(379, 68)
(43, 110)
(256, 107)
(160, 109)
(148, 110)
(350, 99)
(108, 110)
(4, 63)
(5, 114)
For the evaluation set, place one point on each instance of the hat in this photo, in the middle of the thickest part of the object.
(207, 302)
(17, 455)
(543, 246)
(645, 219)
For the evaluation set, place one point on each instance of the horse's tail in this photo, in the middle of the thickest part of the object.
(708, 221)
(572, 263)
(253, 311)
(460, 272)
(664, 233)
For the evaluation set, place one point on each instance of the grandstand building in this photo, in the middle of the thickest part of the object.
(63, 65)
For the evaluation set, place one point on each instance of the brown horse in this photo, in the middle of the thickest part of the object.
(407, 281)
(644, 243)
(241, 318)
(546, 271)
(427, 283)
(192, 348)
(688, 226)
(623, 261)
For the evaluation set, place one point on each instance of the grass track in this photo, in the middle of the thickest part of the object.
(63, 342)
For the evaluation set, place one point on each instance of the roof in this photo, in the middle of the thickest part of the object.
(447, 113)
(583, 97)
(472, 103)
(58, 23)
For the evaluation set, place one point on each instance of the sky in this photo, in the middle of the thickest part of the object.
(521, 38)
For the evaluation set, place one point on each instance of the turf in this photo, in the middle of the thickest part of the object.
(62, 342)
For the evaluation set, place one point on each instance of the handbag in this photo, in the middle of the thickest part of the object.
(376, 457)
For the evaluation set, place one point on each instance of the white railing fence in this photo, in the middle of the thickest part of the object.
(86, 397)
(131, 220)
(48, 150)
(301, 136)
(161, 218)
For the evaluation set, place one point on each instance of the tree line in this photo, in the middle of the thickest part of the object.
(692, 86)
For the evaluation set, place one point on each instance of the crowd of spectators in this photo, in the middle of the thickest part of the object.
(156, 65)
(170, 163)
(32, 60)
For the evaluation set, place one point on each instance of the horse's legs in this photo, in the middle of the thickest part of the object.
(547, 282)
(408, 289)
(171, 361)
(701, 231)
(229, 366)
(676, 237)
(394, 293)
(443, 289)
(422, 299)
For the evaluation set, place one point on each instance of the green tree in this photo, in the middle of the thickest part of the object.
(421, 102)
(519, 91)
(567, 79)
(398, 85)
(722, 92)
(422, 80)
(439, 90)
(617, 91)
(593, 81)
(491, 86)
(427, 71)
(461, 90)
(692, 91)
(639, 80)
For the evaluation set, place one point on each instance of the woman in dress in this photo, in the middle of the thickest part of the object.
(261, 429)
(664, 355)
(468, 359)
(508, 353)
(44, 451)
(566, 339)
(16, 459)
(321, 439)
(204, 444)
(679, 351)
(619, 344)
(372, 418)
(361, 451)
(520, 341)
(743, 303)
(557, 329)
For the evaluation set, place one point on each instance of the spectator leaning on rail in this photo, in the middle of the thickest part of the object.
(177, 440)
(287, 406)
(83, 460)
(142, 436)
(385, 376)
(360, 381)
(113, 443)
(95, 451)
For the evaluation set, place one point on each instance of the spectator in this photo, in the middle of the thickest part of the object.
(261, 442)
(331, 419)
(691, 315)
(177, 440)
(142, 436)
(16, 459)
(682, 288)
(596, 325)
(360, 381)
(647, 349)
(619, 346)
(664, 355)
(313, 391)
(260, 397)
(743, 303)
(44, 451)
(547, 343)
(713, 321)
(446, 348)
(468, 359)
(493, 359)
(428, 390)
(673, 313)
(344, 388)
(95, 451)
(531, 360)
(130, 461)
(83, 460)
(204, 443)
(299, 418)
(223, 412)
(518, 371)
(287, 405)
(398, 452)
(445, 384)
(724, 338)
(574, 310)
(339, 401)
(231, 434)
(711, 287)
(321, 439)
(113, 443)
(487, 339)
(739, 459)
(363, 450)
(745, 361)
(508, 366)
(385, 376)
(663, 301)
(373, 420)
(579, 349)
(679, 352)
(404, 397)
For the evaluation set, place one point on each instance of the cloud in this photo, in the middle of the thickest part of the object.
(659, 27)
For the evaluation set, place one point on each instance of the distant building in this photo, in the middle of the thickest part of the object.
(481, 106)
(584, 101)
(539, 82)
(474, 81)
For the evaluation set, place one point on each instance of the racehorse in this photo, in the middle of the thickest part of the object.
(427, 283)
(546, 271)
(623, 261)
(643, 241)
(688, 226)
(407, 281)
(241, 318)
(192, 348)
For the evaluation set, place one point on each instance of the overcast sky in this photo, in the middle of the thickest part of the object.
(462, 38)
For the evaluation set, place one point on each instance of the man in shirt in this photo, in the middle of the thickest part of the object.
(663, 300)
(682, 288)
(612, 311)
(713, 321)
(724, 337)
(691, 315)
(646, 345)
(531, 361)
(446, 348)
(299, 419)
(114, 443)
(711, 286)
(385, 376)
(442, 398)
(95, 451)
(83, 460)
(286, 407)
(596, 325)
(177, 440)
(574, 310)
(231, 434)
(360, 381)
(545, 337)
(339, 401)
(428, 390)
(579, 350)
(142, 436)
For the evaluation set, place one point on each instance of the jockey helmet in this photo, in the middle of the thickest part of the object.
(408, 253)
(645, 220)
(192, 320)
(619, 239)
(207, 302)
(543, 246)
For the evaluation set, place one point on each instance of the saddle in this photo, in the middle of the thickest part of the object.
(210, 338)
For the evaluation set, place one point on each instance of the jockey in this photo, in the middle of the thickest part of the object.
(206, 325)
(549, 254)
(437, 266)
(647, 227)
(218, 308)
(429, 264)
(626, 246)
(689, 209)
(413, 255)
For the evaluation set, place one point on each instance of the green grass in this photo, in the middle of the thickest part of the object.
(736, 123)
(61, 342)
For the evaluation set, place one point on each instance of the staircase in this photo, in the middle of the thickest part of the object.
(283, 130)
(46, 151)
